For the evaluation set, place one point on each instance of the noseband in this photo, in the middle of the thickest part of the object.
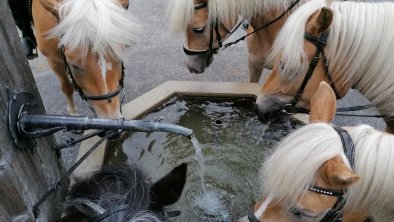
(214, 26)
(320, 44)
(85, 97)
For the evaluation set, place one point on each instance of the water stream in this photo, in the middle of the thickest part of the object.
(200, 160)
(230, 136)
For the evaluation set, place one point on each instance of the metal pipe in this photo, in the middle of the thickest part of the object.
(31, 122)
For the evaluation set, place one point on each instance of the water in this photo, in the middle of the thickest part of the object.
(263, 133)
(200, 160)
(233, 142)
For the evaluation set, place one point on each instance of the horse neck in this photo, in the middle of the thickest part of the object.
(260, 20)
(260, 43)
(356, 58)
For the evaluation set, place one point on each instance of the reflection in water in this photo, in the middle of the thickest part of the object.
(263, 133)
(246, 125)
(232, 157)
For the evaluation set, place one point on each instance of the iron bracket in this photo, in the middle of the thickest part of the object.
(19, 103)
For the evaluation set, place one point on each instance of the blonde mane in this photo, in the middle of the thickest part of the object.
(359, 47)
(181, 12)
(100, 26)
(297, 159)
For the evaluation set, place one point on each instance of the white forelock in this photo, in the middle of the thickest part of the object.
(289, 43)
(296, 160)
(103, 27)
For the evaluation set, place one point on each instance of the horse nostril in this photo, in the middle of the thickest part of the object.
(195, 70)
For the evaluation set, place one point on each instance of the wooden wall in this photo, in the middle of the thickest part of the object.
(24, 176)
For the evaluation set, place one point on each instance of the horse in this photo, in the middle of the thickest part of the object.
(83, 42)
(209, 22)
(321, 172)
(121, 192)
(339, 50)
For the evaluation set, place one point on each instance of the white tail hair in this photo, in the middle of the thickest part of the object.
(358, 49)
(100, 26)
(297, 159)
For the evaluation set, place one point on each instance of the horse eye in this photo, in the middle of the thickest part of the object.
(282, 66)
(76, 67)
(199, 30)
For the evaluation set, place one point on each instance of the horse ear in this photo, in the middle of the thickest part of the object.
(124, 3)
(320, 21)
(168, 189)
(338, 173)
(51, 6)
(323, 104)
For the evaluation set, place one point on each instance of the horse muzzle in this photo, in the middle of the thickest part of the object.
(267, 109)
(197, 63)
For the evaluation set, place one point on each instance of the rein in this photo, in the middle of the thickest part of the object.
(84, 97)
(215, 26)
(263, 26)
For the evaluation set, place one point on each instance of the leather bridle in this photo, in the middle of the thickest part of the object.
(107, 96)
(214, 26)
(335, 214)
(320, 44)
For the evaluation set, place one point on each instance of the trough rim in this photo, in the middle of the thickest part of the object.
(155, 97)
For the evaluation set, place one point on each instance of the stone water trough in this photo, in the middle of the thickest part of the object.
(233, 140)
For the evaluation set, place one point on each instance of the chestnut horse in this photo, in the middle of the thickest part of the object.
(83, 42)
(321, 172)
(209, 22)
(328, 44)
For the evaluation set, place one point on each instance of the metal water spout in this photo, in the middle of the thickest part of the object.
(26, 123)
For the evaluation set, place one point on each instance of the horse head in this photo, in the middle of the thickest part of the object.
(320, 195)
(122, 193)
(204, 33)
(300, 62)
(93, 36)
